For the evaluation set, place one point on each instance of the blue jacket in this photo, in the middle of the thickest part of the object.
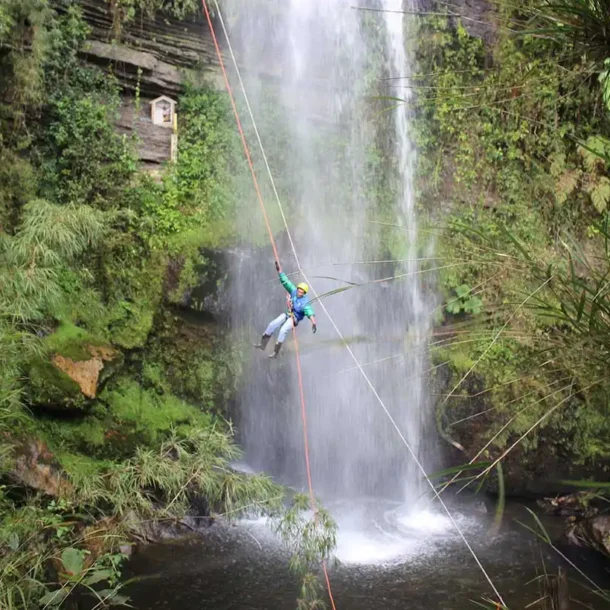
(300, 306)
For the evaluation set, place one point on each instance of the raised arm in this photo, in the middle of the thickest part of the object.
(286, 283)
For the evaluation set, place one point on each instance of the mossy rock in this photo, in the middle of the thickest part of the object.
(71, 369)
(52, 388)
(71, 341)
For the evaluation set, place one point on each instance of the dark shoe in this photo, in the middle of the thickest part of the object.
(276, 350)
(263, 344)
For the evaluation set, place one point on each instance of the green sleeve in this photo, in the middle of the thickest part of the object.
(286, 283)
(308, 311)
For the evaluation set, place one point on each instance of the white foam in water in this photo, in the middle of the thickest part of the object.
(261, 520)
(369, 535)
(426, 521)
(373, 531)
(357, 547)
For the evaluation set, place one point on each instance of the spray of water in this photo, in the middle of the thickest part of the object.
(312, 70)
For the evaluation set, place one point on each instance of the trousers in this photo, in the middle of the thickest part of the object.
(284, 321)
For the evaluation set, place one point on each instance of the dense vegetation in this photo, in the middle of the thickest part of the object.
(97, 260)
(514, 124)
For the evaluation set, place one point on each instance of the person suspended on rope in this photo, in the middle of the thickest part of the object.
(298, 307)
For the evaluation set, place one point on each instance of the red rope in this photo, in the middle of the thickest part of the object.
(239, 127)
(312, 499)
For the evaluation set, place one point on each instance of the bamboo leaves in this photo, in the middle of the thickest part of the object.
(49, 237)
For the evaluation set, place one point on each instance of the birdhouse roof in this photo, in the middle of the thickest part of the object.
(164, 98)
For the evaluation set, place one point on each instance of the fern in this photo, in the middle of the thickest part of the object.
(595, 153)
(600, 194)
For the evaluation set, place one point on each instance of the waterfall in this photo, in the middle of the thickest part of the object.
(314, 72)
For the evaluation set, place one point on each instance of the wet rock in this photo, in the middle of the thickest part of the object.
(592, 533)
(152, 530)
(211, 295)
(35, 467)
(571, 505)
(49, 387)
(477, 17)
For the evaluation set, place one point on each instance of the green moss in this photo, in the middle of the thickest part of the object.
(196, 362)
(78, 465)
(124, 417)
(50, 387)
(87, 435)
(459, 358)
(135, 281)
(71, 342)
(131, 323)
(148, 412)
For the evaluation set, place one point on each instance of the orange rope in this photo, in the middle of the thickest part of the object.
(241, 131)
(312, 499)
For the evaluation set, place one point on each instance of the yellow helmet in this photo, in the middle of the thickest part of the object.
(304, 287)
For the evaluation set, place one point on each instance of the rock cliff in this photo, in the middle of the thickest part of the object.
(154, 55)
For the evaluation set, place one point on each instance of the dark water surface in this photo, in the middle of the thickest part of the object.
(390, 563)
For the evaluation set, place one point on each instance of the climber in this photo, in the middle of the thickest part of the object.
(298, 307)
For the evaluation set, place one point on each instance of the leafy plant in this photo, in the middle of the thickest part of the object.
(23, 46)
(49, 237)
(464, 301)
(125, 11)
(79, 574)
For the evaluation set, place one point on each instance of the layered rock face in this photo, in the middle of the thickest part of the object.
(152, 55)
(150, 58)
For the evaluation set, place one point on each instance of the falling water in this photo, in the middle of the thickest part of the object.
(315, 72)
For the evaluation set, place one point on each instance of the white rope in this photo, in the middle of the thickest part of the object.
(339, 333)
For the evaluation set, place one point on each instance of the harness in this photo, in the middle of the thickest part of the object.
(290, 308)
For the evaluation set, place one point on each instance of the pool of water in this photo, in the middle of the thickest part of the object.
(389, 559)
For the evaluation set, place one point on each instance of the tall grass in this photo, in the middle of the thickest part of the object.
(583, 24)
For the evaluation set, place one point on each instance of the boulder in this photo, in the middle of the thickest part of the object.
(71, 368)
(592, 533)
(571, 505)
(86, 373)
(35, 467)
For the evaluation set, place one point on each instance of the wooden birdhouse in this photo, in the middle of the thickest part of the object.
(163, 111)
